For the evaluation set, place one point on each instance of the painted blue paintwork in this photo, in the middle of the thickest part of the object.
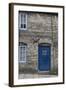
(44, 58)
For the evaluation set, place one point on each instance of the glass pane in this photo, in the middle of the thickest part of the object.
(24, 18)
(22, 25)
(21, 18)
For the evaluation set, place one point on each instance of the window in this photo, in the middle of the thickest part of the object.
(22, 21)
(22, 52)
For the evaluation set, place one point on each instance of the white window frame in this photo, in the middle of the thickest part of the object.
(22, 22)
(22, 46)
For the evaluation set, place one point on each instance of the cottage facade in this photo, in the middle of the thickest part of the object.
(38, 42)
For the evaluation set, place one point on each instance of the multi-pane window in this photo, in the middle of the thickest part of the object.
(22, 21)
(22, 52)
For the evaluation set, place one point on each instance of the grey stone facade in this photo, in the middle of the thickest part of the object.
(41, 28)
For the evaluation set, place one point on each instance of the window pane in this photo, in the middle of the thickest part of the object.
(24, 25)
(24, 18)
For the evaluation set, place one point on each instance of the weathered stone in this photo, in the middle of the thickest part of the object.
(45, 27)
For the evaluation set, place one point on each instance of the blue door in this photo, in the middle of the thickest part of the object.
(44, 58)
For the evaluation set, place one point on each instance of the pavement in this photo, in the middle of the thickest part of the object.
(27, 73)
(28, 76)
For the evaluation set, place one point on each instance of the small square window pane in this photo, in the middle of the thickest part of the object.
(22, 25)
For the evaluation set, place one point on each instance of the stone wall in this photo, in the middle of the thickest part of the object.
(45, 28)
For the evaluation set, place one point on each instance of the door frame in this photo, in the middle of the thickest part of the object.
(44, 44)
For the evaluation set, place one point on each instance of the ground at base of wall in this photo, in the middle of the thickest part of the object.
(31, 73)
(29, 76)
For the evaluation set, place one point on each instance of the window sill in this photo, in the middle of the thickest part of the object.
(22, 29)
